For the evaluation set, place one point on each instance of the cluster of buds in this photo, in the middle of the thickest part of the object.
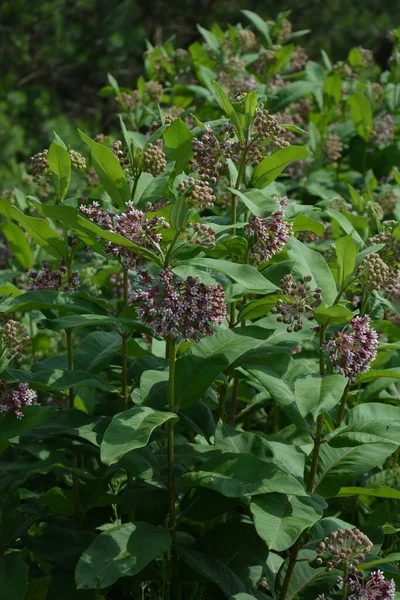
(92, 179)
(367, 57)
(133, 225)
(211, 151)
(298, 60)
(283, 31)
(40, 166)
(351, 352)
(299, 304)
(200, 234)
(346, 547)
(14, 398)
(265, 59)
(267, 128)
(268, 236)
(393, 316)
(121, 154)
(237, 83)
(247, 40)
(375, 274)
(15, 339)
(154, 90)
(286, 117)
(382, 129)
(153, 160)
(388, 201)
(377, 92)
(197, 192)
(333, 147)
(131, 100)
(390, 253)
(77, 160)
(50, 279)
(376, 587)
(344, 70)
(177, 307)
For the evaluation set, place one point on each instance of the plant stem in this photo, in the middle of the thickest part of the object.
(321, 351)
(292, 563)
(343, 405)
(235, 393)
(221, 404)
(70, 354)
(315, 455)
(175, 588)
(125, 390)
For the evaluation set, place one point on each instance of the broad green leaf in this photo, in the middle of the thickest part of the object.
(51, 300)
(373, 432)
(244, 442)
(316, 395)
(305, 223)
(346, 252)
(18, 244)
(332, 315)
(310, 262)
(373, 374)
(109, 171)
(60, 546)
(280, 519)
(246, 275)
(259, 24)
(235, 475)
(72, 321)
(361, 114)
(131, 430)
(378, 492)
(13, 577)
(212, 570)
(291, 93)
(228, 109)
(372, 411)
(258, 203)
(118, 552)
(345, 224)
(59, 500)
(96, 350)
(209, 38)
(57, 379)
(272, 166)
(257, 308)
(306, 582)
(38, 589)
(60, 167)
(11, 427)
(178, 144)
(42, 232)
(337, 466)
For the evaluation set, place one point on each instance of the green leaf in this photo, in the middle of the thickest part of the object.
(291, 93)
(118, 552)
(72, 321)
(60, 167)
(305, 223)
(96, 350)
(13, 577)
(131, 430)
(316, 395)
(212, 570)
(60, 501)
(272, 166)
(374, 432)
(246, 275)
(306, 582)
(259, 24)
(380, 561)
(42, 232)
(332, 315)
(378, 492)
(337, 466)
(236, 475)
(310, 262)
(280, 519)
(346, 252)
(57, 379)
(228, 109)
(50, 300)
(18, 244)
(257, 308)
(361, 114)
(256, 201)
(178, 144)
(109, 171)
(11, 427)
(242, 442)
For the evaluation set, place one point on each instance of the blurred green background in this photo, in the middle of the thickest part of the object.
(55, 54)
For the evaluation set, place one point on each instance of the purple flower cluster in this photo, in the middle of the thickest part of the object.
(13, 399)
(51, 279)
(346, 547)
(133, 225)
(351, 353)
(299, 304)
(211, 151)
(179, 307)
(376, 587)
(268, 236)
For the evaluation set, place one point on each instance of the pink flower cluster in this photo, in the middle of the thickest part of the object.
(13, 399)
(133, 225)
(351, 353)
(376, 587)
(269, 235)
(51, 279)
(178, 307)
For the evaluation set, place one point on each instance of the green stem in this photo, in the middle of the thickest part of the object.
(125, 390)
(222, 401)
(292, 563)
(170, 249)
(175, 588)
(70, 354)
(343, 405)
(315, 454)
(234, 400)
(321, 351)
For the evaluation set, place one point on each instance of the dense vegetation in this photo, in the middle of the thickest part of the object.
(200, 327)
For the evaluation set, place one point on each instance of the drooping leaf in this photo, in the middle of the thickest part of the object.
(316, 395)
(122, 550)
(246, 275)
(42, 232)
(271, 167)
